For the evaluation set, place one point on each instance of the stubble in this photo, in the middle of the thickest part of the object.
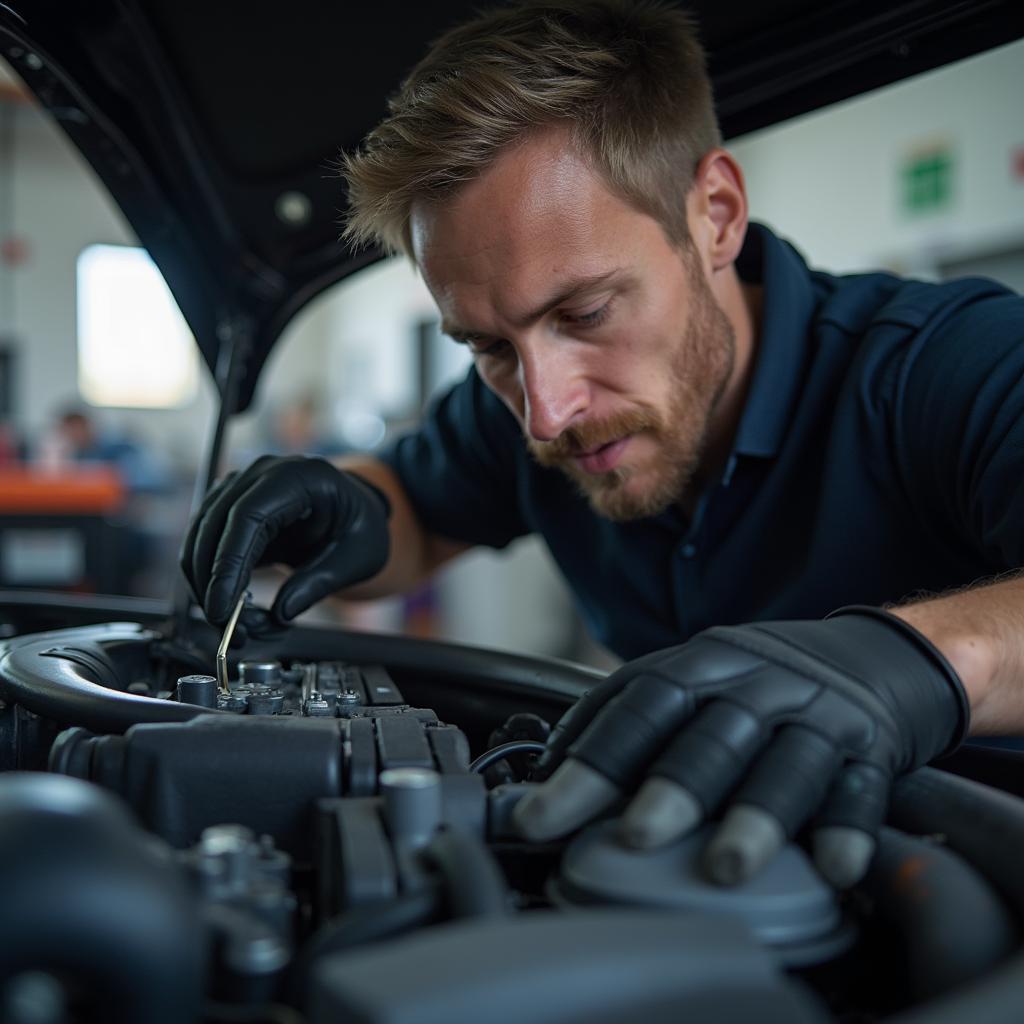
(700, 370)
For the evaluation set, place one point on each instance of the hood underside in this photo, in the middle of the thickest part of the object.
(216, 126)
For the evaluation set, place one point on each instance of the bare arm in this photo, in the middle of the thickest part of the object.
(981, 632)
(415, 553)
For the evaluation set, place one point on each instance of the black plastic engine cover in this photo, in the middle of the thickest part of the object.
(264, 773)
(600, 966)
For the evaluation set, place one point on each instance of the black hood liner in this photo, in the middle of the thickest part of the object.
(198, 116)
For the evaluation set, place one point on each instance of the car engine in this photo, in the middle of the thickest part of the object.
(324, 834)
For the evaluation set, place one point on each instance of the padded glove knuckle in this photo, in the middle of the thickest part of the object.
(709, 658)
(633, 727)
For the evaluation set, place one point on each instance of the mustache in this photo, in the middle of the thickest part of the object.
(592, 434)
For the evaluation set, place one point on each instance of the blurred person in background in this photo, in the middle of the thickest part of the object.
(144, 547)
(76, 439)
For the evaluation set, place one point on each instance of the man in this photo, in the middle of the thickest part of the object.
(703, 430)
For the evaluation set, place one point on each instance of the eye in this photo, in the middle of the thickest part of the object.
(490, 347)
(592, 318)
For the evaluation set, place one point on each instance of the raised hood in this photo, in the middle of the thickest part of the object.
(215, 126)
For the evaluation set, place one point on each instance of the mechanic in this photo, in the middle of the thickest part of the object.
(755, 477)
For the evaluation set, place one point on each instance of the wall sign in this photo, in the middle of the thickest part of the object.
(928, 179)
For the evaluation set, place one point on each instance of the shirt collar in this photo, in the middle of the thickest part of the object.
(787, 307)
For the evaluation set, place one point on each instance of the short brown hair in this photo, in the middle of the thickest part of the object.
(628, 79)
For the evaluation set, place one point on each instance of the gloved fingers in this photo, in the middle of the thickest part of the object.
(843, 855)
(713, 753)
(337, 566)
(846, 829)
(573, 795)
(255, 622)
(858, 798)
(212, 517)
(785, 787)
(698, 769)
(619, 730)
(661, 812)
(255, 518)
(743, 843)
(573, 722)
(198, 537)
(632, 728)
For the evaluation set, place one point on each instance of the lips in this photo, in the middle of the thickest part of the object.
(602, 458)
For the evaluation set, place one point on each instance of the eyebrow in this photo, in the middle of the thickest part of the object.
(568, 291)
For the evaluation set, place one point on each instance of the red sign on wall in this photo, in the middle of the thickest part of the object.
(14, 251)
(1017, 162)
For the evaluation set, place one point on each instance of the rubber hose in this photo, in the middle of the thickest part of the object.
(93, 897)
(954, 926)
(472, 880)
(982, 824)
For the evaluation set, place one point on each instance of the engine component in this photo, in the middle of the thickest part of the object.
(612, 966)
(788, 906)
(953, 926)
(368, 847)
(197, 689)
(259, 673)
(231, 866)
(97, 902)
(269, 773)
(412, 805)
(316, 705)
(381, 827)
(260, 700)
(248, 908)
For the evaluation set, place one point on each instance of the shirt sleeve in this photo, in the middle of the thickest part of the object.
(959, 424)
(461, 467)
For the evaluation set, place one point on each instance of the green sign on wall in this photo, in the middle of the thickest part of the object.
(928, 181)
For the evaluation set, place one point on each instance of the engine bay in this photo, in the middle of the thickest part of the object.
(324, 834)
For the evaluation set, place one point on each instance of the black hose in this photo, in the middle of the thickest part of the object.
(982, 824)
(498, 753)
(94, 899)
(953, 925)
(471, 878)
(987, 827)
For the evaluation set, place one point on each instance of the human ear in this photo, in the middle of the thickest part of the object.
(717, 209)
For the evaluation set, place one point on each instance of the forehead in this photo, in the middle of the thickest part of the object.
(537, 215)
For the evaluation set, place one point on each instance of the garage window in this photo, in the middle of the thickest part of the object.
(134, 348)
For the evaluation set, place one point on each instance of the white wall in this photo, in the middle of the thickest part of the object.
(830, 180)
(59, 208)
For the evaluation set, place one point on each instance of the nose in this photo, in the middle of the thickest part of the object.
(555, 393)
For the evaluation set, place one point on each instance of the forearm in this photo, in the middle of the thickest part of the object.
(981, 632)
(415, 553)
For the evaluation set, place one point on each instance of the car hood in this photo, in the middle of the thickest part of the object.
(217, 127)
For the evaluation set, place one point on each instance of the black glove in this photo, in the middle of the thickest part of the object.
(791, 720)
(331, 526)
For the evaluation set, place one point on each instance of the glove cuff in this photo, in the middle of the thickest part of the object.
(929, 650)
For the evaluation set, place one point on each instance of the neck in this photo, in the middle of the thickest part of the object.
(741, 304)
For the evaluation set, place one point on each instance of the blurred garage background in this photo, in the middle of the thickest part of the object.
(104, 407)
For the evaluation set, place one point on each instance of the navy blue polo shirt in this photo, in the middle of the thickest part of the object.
(880, 454)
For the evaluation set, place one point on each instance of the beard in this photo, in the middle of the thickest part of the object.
(700, 368)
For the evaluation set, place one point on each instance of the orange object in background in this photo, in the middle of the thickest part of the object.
(73, 490)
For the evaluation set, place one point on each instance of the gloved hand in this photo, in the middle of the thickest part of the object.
(331, 526)
(790, 720)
